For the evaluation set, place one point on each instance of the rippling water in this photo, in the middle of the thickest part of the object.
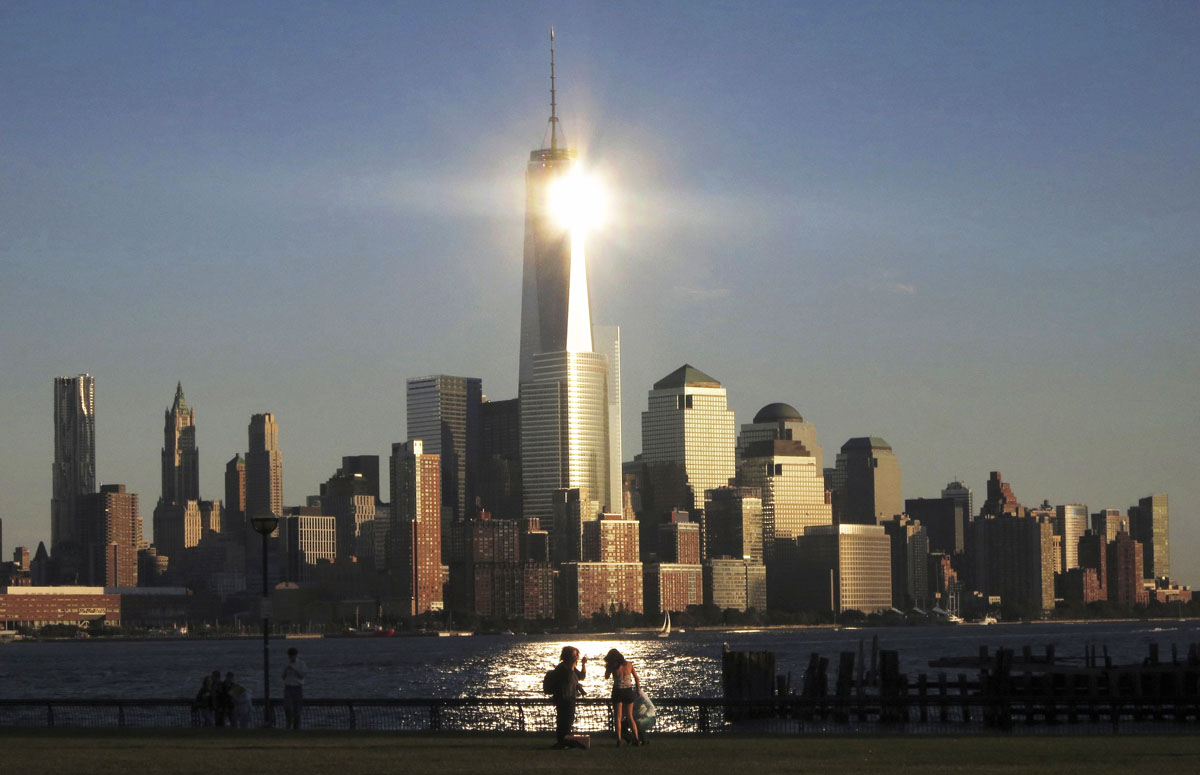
(687, 664)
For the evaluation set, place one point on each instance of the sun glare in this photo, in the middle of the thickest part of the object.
(577, 201)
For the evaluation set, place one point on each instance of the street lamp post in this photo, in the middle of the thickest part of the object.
(265, 525)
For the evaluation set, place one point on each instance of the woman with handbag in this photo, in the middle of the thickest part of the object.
(626, 685)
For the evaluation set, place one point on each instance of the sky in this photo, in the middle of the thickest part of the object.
(972, 229)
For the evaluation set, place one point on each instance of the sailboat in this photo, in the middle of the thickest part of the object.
(666, 627)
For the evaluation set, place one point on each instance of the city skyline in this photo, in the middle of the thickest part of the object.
(973, 234)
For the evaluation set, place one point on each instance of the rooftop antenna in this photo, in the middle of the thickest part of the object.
(553, 103)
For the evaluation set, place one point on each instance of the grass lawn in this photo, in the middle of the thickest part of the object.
(213, 752)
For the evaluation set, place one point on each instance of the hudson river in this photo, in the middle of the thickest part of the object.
(686, 664)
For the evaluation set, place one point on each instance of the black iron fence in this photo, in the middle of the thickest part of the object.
(916, 711)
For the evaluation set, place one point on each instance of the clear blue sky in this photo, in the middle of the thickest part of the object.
(970, 228)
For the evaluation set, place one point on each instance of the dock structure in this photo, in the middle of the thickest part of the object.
(1006, 692)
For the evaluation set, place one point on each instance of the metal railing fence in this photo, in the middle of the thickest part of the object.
(910, 713)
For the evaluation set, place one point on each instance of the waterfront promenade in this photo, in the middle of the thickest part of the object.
(208, 751)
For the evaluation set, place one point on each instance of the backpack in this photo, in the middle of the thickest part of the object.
(550, 681)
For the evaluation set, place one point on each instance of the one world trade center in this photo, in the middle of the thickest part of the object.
(569, 382)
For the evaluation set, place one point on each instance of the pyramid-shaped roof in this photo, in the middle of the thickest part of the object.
(686, 375)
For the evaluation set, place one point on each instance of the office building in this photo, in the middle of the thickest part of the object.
(180, 457)
(363, 471)
(687, 423)
(235, 493)
(732, 583)
(308, 537)
(944, 519)
(177, 526)
(415, 535)
(1149, 524)
(264, 468)
(1109, 522)
(351, 497)
(565, 383)
(444, 413)
(74, 469)
(498, 486)
(961, 494)
(1070, 522)
(734, 523)
(564, 430)
(845, 567)
(792, 488)
(606, 340)
(354, 516)
(781, 422)
(910, 562)
(870, 477)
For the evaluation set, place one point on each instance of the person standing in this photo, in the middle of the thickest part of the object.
(240, 697)
(223, 701)
(566, 680)
(202, 706)
(294, 673)
(626, 686)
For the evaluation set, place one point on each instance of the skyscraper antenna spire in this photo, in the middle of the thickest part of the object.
(553, 102)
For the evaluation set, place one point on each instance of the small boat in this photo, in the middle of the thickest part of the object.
(665, 632)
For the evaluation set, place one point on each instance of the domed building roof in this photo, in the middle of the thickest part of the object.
(777, 412)
(865, 444)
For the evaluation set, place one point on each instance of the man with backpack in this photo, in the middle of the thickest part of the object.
(562, 684)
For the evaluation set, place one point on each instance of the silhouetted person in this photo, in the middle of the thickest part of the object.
(294, 673)
(566, 689)
(222, 701)
(203, 704)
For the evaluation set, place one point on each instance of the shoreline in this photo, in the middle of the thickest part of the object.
(640, 631)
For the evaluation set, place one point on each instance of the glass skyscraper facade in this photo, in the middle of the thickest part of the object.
(1070, 522)
(74, 467)
(1150, 523)
(444, 413)
(564, 430)
(568, 387)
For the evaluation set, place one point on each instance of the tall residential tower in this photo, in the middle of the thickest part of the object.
(74, 468)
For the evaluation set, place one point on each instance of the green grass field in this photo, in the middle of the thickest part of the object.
(212, 752)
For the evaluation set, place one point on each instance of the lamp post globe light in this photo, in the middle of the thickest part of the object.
(264, 525)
